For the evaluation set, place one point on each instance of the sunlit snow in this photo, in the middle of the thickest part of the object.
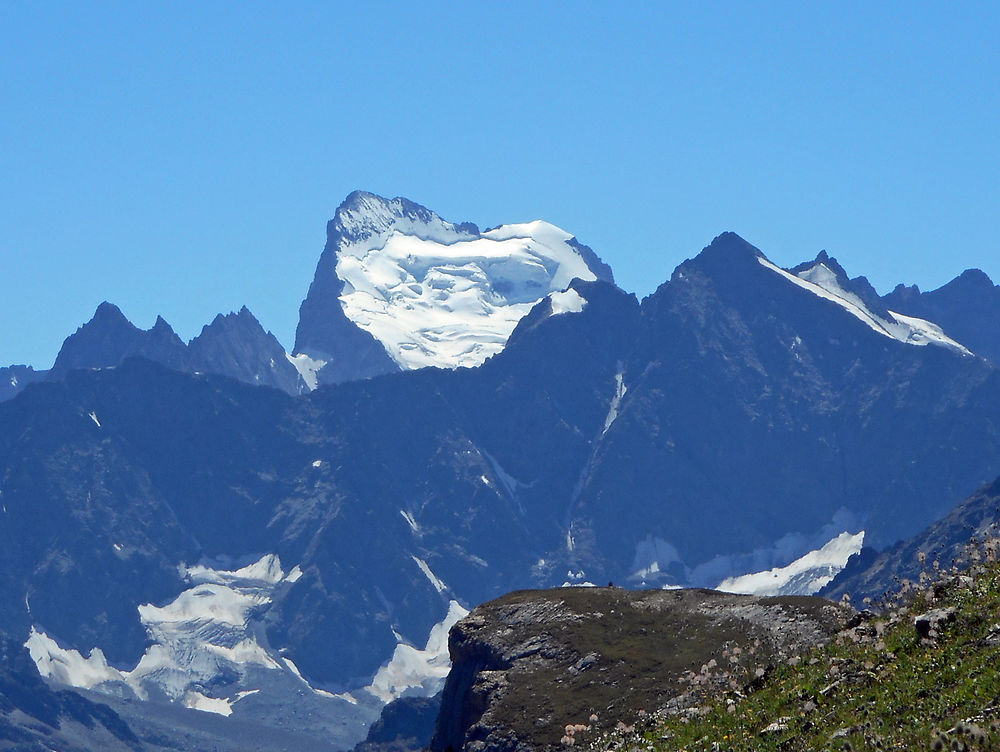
(436, 295)
(198, 701)
(434, 580)
(804, 576)
(616, 400)
(567, 301)
(822, 281)
(410, 520)
(69, 666)
(307, 367)
(203, 633)
(411, 669)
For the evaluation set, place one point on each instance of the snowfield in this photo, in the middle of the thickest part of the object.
(804, 576)
(438, 294)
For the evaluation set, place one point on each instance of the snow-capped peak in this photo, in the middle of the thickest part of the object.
(366, 219)
(824, 282)
(435, 293)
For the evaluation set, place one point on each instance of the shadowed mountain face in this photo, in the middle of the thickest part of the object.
(133, 470)
(946, 541)
(108, 338)
(13, 379)
(755, 409)
(739, 417)
(234, 345)
(237, 346)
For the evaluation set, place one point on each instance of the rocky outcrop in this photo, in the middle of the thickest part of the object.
(237, 346)
(535, 667)
(405, 725)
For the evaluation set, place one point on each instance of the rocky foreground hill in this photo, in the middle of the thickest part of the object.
(701, 670)
(538, 669)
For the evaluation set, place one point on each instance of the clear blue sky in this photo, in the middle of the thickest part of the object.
(183, 158)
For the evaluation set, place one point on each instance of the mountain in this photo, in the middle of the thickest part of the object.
(396, 288)
(968, 308)
(399, 288)
(234, 345)
(327, 522)
(190, 540)
(237, 346)
(765, 413)
(33, 716)
(108, 338)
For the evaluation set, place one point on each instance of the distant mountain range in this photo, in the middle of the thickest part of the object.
(464, 413)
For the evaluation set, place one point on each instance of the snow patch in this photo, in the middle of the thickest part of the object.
(509, 482)
(307, 367)
(804, 576)
(418, 671)
(822, 282)
(69, 666)
(208, 631)
(567, 301)
(438, 585)
(923, 332)
(410, 520)
(198, 701)
(616, 400)
(652, 557)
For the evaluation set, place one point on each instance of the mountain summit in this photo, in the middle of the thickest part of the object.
(398, 288)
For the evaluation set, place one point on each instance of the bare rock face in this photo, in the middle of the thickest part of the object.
(529, 665)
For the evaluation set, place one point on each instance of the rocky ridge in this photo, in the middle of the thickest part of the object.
(233, 345)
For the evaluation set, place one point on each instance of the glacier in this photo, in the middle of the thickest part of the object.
(397, 277)
(210, 653)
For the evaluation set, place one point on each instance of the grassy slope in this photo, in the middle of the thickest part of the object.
(877, 686)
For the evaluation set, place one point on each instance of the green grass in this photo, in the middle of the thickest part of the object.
(877, 686)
